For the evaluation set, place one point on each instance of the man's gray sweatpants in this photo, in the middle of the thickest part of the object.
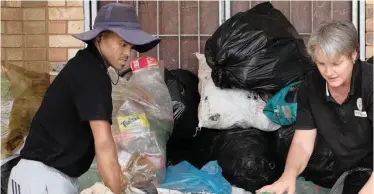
(33, 177)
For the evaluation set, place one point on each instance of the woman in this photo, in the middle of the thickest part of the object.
(334, 102)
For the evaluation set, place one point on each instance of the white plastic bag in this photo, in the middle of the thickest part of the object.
(229, 108)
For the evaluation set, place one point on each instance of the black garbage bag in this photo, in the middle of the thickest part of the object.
(196, 151)
(183, 89)
(320, 166)
(257, 50)
(5, 173)
(247, 158)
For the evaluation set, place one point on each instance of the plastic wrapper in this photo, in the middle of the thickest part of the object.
(257, 50)
(247, 158)
(23, 91)
(320, 166)
(182, 85)
(6, 105)
(174, 88)
(282, 107)
(350, 178)
(143, 122)
(186, 178)
(229, 108)
(308, 187)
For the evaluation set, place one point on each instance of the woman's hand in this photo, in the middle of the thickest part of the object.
(283, 184)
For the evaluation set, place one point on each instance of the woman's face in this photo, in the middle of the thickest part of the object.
(336, 72)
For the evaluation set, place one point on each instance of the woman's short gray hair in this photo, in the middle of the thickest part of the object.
(334, 39)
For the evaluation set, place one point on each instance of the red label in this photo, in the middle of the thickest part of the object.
(143, 62)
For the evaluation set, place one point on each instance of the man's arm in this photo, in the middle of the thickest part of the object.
(300, 151)
(106, 156)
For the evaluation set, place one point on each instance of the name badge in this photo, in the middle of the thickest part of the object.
(360, 113)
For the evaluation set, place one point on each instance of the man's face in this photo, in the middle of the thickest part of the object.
(115, 50)
(336, 72)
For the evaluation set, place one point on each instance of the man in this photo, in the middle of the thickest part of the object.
(337, 103)
(73, 121)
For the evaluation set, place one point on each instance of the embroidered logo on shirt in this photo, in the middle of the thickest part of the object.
(359, 112)
(359, 104)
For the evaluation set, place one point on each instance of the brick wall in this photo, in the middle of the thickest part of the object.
(37, 34)
(369, 29)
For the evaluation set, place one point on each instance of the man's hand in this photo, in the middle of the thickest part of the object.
(286, 183)
(107, 157)
(368, 187)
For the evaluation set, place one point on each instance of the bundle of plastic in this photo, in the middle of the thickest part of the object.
(23, 91)
(143, 123)
(229, 108)
(6, 103)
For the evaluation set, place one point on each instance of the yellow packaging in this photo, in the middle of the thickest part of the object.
(132, 121)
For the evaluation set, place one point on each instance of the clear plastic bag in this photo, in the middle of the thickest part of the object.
(308, 187)
(143, 122)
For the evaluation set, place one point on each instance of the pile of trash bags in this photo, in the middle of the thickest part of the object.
(248, 81)
(234, 119)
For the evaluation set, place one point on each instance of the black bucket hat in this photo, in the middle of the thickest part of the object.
(122, 20)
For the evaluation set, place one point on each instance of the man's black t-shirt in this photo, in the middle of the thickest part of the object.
(60, 135)
(347, 128)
